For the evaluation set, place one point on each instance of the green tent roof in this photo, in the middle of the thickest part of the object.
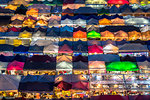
(93, 34)
(121, 66)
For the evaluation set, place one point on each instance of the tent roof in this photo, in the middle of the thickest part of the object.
(80, 65)
(9, 82)
(40, 66)
(21, 49)
(6, 47)
(122, 66)
(120, 2)
(64, 65)
(128, 58)
(64, 58)
(93, 34)
(65, 49)
(80, 58)
(104, 57)
(95, 49)
(133, 47)
(85, 10)
(15, 65)
(41, 58)
(36, 48)
(96, 65)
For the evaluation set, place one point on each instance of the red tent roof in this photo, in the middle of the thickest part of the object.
(80, 85)
(95, 49)
(15, 65)
(121, 2)
(65, 49)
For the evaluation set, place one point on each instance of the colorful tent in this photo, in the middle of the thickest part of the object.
(25, 34)
(94, 49)
(93, 34)
(110, 49)
(17, 16)
(121, 35)
(65, 49)
(117, 21)
(80, 86)
(32, 12)
(134, 35)
(105, 21)
(97, 65)
(9, 82)
(119, 2)
(64, 66)
(107, 35)
(15, 65)
(79, 34)
(65, 58)
(121, 66)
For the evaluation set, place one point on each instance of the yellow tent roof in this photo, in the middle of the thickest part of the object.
(41, 22)
(17, 16)
(11, 7)
(2, 41)
(134, 35)
(17, 42)
(25, 34)
(18, 2)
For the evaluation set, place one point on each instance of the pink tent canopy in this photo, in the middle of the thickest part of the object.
(120, 2)
(95, 49)
(80, 85)
(15, 65)
(65, 49)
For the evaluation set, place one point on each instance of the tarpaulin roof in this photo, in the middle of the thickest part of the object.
(52, 48)
(103, 43)
(93, 34)
(141, 58)
(95, 49)
(79, 34)
(41, 58)
(37, 83)
(92, 42)
(80, 65)
(92, 21)
(71, 78)
(137, 21)
(6, 47)
(63, 85)
(128, 58)
(85, 10)
(114, 9)
(121, 66)
(65, 58)
(143, 65)
(36, 48)
(64, 65)
(79, 28)
(80, 46)
(96, 64)
(107, 35)
(40, 66)
(120, 2)
(104, 57)
(21, 10)
(80, 86)
(61, 43)
(56, 9)
(3, 65)
(80, 58)
(133, 47)
(66, 34)
(12, 34)
(65, 49)
(19, 58)
(109, 48)
(15, 65)
(9, 82)
(66, 28)
(21, 49)
(118, 28)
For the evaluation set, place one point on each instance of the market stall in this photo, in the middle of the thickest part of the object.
(106, 35)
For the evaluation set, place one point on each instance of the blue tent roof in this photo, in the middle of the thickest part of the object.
(6, 47)
(66, 28)
(104, 57)
(85, 10)
(66, 16)
(79, 16)
(56, 9)
(21, 49)
(141, 59)
(105, 16)
(114, 9)
(66, 34)
(116, 16)
(11, 33)
(69, 43)
(36, 49)
(6, 58)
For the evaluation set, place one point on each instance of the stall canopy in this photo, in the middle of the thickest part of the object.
(95, 49)
(64, 65)
(85, 10)
(120, 2)
(128, 58)
(96, 65)
(80, 65)
(15, 65)
(107, 35)
(3, 65)
(80, 46)
(93, 34)
(9, 82)
(110, 49)
(37, 83)
(79, 34)
(36, 49)
(65, 58)
(121, 66)
(65, 49)
(121, 35)
(80, 58)
(104, 57)
(80, 86)
(41, 58)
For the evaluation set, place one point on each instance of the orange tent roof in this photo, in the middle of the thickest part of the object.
(134, 35)
(117, 21)
(107, 35)
(105, 21)
(121, 35)
(96, 65)
(64, 58)
(79, 34)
